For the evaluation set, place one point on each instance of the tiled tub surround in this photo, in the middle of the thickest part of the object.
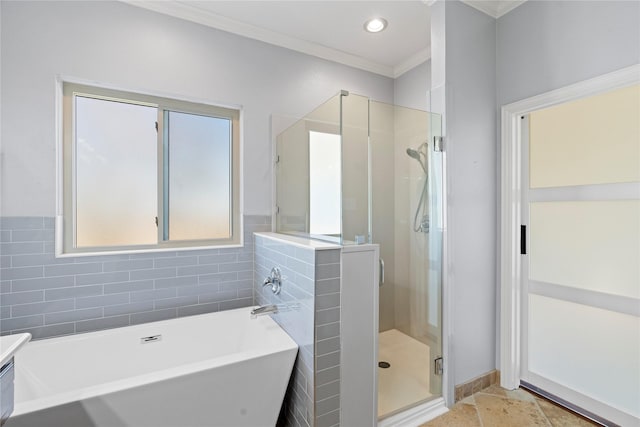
(50, 296)
(309, 310)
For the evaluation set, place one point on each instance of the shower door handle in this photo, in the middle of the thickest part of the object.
(381, 279)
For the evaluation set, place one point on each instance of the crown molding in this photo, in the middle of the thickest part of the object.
(507, 6)
(495, 8)
(411, 62)
(204, 17)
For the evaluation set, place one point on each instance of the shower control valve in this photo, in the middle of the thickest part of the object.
(424, 224)
(274, 280)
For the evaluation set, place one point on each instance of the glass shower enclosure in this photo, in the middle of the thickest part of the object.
(358, 171)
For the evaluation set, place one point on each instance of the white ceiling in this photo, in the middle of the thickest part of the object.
(329, 29)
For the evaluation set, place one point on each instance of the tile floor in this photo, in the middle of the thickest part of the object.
(406, 381)
(497, 407)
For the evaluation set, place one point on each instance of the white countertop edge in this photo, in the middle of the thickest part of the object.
(365, 247)
(9, 345)
(303, 242)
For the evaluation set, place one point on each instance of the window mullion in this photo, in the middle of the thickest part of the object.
(162, 162)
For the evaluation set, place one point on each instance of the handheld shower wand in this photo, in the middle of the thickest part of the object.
(424, 222)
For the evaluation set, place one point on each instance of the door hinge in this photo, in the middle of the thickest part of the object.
(438, 366)
(438, 143)
(156, 127)
(156, 221)
(277, 209)
(523, 240)
(277, 160)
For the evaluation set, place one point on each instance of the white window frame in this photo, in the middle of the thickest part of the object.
(65, 242)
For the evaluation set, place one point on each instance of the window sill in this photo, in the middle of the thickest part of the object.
(60, 253)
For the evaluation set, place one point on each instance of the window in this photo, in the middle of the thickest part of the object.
(143, 172)
(324, 183)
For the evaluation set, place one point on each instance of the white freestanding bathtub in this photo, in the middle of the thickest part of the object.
(220, 369)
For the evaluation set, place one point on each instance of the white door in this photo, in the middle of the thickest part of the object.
(581, 271)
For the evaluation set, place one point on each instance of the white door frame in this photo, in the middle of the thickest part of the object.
(510, 207)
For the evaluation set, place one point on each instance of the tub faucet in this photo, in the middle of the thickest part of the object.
(264, 309)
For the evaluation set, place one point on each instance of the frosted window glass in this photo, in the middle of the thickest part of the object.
(588, 245)
(199, 176)
(596, 353)
(324, 183)
(595, 140)
(116, 178)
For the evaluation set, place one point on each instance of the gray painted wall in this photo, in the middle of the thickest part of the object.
(410, 89)
(545, 45)
(133, 48)
(464, 66)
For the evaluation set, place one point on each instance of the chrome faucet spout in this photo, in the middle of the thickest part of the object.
(264, 309)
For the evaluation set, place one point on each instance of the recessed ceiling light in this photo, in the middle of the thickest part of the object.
(375, 25)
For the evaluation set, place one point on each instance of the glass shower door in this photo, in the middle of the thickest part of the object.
(406, 218)
(436, 250)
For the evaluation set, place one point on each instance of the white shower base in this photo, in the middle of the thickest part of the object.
(406, 382)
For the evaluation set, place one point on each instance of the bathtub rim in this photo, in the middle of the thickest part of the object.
(84, 393)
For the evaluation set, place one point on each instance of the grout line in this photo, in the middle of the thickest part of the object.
(544, 415)
(477, 412)
(472, 397)
(497, 395)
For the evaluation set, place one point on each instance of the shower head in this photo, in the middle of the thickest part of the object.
(416, 154)
(413, 153)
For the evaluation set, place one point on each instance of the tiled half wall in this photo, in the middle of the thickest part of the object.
(309, 310)
(50, 296)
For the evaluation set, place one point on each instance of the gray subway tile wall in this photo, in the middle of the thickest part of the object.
(327, 336)
(49, 296)
(313, 396)
(295, 315)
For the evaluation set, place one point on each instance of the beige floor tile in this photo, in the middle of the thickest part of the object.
(497, 407)
(461, 415)
(518, 394)
(497, 411)
(560, 417)
(469, 400)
